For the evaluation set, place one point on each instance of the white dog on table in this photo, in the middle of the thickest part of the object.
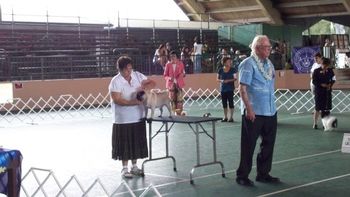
(329, 122)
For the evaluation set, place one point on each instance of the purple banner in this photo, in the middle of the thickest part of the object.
(303, 58)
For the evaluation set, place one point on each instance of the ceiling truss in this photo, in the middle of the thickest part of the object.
(276, 12)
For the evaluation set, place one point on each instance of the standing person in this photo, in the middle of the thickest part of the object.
(236, 60)
(197, 49)
(323, 79)
(168, 49)
(226, 76)
(316, 65)
(220, 57)
(259, 115)
(186, 59)
(174, 74)
(276, 57)
(160, 57)
(129, 140)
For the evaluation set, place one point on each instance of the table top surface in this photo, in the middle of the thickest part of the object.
(184, 119)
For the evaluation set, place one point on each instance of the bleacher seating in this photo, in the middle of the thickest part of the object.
(42, 51)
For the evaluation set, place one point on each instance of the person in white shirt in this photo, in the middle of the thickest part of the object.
(197, 49)
(129, 140)
(316, 65)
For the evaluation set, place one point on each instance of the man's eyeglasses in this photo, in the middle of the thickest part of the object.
(266, 46)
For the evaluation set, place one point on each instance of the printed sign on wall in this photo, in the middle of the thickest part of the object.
(303, 58)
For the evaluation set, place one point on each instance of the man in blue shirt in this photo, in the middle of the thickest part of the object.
(258, 109)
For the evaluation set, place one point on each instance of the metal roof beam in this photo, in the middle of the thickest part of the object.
(196, 8)
(319, 15)
(205, 1)
(248, 20)
(235, 9)
(270, 12)
(347, 5)
(308, 3)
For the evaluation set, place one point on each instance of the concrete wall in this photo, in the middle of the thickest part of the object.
(46, 89)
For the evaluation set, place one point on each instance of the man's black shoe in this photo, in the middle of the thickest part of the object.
(267, 179)
(244, 181)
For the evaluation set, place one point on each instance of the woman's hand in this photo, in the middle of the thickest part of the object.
(135, 102)
(118, 99)
(226, 81)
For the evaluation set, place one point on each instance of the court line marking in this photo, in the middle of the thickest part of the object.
(305, 185)
(306, 156)
(230, 171)
(238, 124)
(171, 177)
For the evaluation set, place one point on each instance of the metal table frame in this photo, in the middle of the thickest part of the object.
(190, 121)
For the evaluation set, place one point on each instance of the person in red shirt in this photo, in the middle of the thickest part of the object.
(174, 74)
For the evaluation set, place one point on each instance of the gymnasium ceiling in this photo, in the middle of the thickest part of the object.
(276, 12)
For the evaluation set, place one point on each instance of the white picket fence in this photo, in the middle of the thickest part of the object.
(67, 107)
(46, 182)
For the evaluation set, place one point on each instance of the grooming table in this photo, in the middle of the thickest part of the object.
(195, 123)
(10, 172)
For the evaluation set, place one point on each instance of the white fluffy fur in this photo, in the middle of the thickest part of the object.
(328, 121)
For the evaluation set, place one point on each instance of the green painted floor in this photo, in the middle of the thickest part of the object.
(308, 162)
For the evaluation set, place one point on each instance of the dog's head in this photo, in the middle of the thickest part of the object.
(325, 113)
(207, 114)
(140, 95)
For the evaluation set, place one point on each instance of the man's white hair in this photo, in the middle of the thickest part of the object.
(257, 41)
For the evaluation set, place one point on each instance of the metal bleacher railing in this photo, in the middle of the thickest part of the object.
(72, 48)
(97, 106)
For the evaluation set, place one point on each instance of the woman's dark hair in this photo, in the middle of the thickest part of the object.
(184, 48)
(122, 62)
(326, 61)
(318, 54)
(161, 46)
(224, 59)
(174, 53)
